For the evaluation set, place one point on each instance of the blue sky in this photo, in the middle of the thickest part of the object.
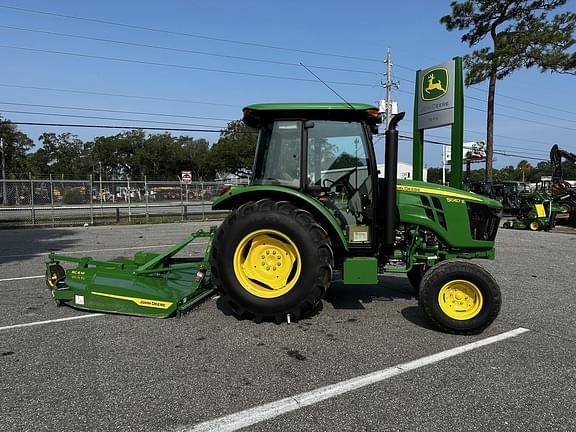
(534, 110)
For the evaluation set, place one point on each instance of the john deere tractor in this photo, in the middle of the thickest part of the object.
(317, 204)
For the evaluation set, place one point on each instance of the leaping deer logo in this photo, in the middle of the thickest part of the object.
(434, 85)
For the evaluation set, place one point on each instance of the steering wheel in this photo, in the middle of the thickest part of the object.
(344, 180)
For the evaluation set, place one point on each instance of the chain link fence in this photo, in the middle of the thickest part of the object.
(62, 201)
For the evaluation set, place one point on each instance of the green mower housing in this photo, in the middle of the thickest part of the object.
(151, 284)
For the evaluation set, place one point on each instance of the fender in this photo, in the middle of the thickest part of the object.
(237, 196)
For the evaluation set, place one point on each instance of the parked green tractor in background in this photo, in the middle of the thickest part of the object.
(523, 208)
(316, 204)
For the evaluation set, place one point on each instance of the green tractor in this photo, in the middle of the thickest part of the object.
(316, 205)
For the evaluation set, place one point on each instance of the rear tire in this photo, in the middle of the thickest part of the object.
(460, 297)
(246, 248)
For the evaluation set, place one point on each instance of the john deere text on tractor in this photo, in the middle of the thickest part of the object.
(315, 204)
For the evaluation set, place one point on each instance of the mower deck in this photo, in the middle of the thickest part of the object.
(151, 284)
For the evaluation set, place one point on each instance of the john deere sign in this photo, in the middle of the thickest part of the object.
(436, 96)
(439, 101)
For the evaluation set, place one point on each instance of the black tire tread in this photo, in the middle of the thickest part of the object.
(317, 235)
(427, 293)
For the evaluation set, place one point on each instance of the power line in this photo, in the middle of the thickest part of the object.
(192, 35)
(178, 66)
(495, 104)
(112, 111)
(119, 95)
(187, 51)
(409, 138)
(253, 44)
(540, 114)
(523, 119)
(113, 127)
(106, 118)
(524, 101)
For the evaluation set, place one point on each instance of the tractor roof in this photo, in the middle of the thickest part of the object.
(256, 114)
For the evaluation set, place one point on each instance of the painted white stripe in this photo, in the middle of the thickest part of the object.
(49, 322)
(64, 252)
(251, 416)
(22, 278)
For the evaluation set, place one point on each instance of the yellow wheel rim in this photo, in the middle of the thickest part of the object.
(460, 300)
(267, 263)
(534, 226)
(52, 279)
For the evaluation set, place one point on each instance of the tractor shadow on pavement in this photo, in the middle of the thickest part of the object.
(389, 289)
(23, 244)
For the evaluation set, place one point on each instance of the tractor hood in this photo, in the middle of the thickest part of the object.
(420, 187)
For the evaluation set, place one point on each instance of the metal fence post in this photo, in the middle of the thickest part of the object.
(91, 201)
(52, 201)
(146, 193)
(32, 198)
(129, 208)
(181, 203)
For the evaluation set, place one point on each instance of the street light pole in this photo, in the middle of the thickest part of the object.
(4, 197)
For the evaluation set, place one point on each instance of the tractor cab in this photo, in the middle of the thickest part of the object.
(324, 151)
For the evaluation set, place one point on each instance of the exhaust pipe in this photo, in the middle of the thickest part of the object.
(391, 173)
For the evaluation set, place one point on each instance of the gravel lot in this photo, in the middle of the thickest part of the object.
(111, 372)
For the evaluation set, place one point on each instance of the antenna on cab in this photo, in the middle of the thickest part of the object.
(331, 89)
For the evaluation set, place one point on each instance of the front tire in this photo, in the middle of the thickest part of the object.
(270, 259)
(460, 297)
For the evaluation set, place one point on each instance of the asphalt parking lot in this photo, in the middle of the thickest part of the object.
(111, 372)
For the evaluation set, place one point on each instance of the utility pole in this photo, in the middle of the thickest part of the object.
(4, 197)
(389, 85)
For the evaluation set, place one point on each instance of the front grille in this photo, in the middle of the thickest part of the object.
(484, 221)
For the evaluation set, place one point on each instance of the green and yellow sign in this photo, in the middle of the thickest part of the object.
(434, 84)
(439, 102)
(435, 96)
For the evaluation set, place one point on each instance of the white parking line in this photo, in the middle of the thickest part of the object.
(251, 416)
(64, 252)
(49, 321)
(22, 278)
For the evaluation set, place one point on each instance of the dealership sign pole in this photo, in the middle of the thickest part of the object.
(439, 101)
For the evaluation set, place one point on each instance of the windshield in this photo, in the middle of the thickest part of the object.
(336, 150)
(279, 154)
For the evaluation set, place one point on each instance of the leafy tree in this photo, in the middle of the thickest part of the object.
(522, 36)
(16, 145)
(116, 154)
(194, 157)
(523, 170)
(434, 175)
(61, 154)
(234, 151)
